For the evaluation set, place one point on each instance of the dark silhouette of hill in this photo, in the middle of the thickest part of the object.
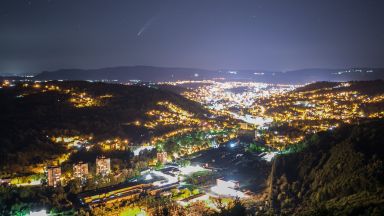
(373, 87)
(124, 74)
(157, 74)
(339, 172)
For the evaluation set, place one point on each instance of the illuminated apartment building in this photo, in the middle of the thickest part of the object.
(103, 166)
(54, 174)
(80, 170)
(162, 157)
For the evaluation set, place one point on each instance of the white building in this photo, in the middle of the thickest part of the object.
(227, 188)
(221, 182)
(103, 166)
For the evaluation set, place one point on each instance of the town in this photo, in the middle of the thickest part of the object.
(214, 157)
(191, 108)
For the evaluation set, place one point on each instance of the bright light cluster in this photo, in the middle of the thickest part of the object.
(179, 120)
(81, 100)
(315, 110)
(114, 144)
(77, 99)
(226, 191)
(235, 99)
(191, 169)
(173, 115)
(225, 95)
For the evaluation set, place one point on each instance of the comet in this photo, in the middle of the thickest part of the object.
(145, 26)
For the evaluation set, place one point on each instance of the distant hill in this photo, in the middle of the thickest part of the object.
(157, 74)
(124, 74)
(371, 88)
(339, 172)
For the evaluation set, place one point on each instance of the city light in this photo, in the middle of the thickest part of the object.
(226, 191)
(148, 177)
(252, 120)
(38, 213)
(268, 156)
(191, 108)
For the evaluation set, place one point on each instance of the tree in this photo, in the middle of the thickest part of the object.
(74, 186)
(235, 208)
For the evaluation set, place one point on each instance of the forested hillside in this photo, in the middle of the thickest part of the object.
(31, 114)
(339, 172)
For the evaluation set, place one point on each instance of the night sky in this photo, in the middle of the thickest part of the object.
(38, 35)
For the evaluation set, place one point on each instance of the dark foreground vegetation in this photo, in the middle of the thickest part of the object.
(339, 172)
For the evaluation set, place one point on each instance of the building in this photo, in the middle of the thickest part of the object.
(80, 170)
(257, 135)
(221, 182)
(227, 188)
(162, 157)
(244, 126)
(54, 175)
(103, 166)
(194, 198)
(129, 191)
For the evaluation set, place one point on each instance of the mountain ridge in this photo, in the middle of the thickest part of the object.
(161, 74)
